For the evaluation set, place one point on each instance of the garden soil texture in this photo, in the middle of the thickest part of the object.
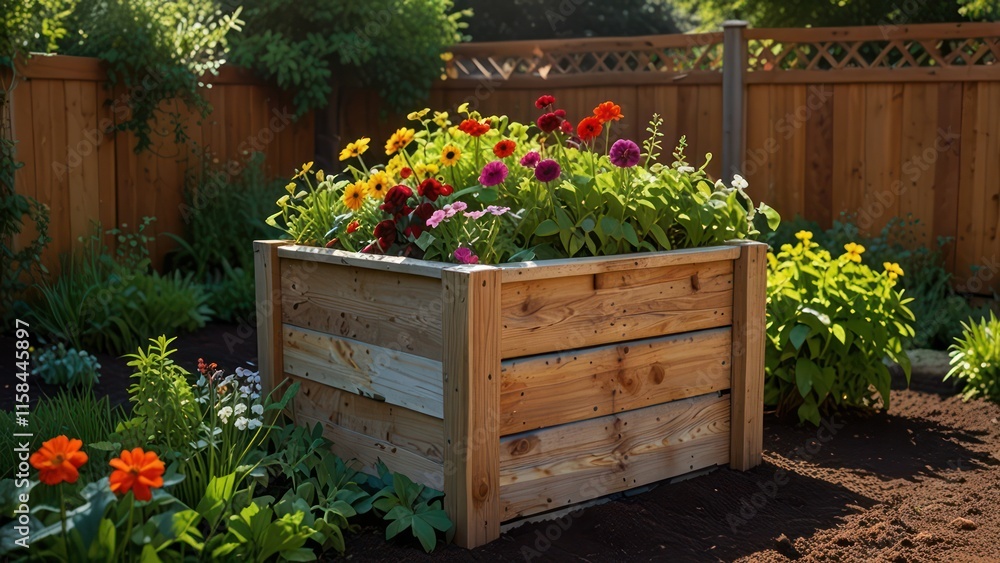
(920, 483)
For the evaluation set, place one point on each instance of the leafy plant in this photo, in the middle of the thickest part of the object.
(410, 506)
(832, 323)
(164, 407)
(68, 368)
(975, 359)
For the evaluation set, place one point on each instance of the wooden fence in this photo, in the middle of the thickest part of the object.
(873, 121)
(61, 115)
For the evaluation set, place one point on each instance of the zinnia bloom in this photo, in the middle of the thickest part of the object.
(137, 471)
(473, 127)
(548, 122)
(504, 148)
(355, 149)
(566, 127)
(545, 100)
(465, 256)
(399, 140)
(395, 200)
(854, 251)
(58, 460)
(589, 128)
(355, 194)
(418, 220)
(450, 155)
(624, 153)
(378, 184)
(493, 173)
(531, 159)
(431, 188)
(608, 111)
(547, 170)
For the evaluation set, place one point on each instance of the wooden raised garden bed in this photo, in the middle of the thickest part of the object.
(527, 387)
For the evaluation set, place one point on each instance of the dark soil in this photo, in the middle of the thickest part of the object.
(921, 483)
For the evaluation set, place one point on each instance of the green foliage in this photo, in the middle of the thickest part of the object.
(164, 408)
(832, 322)
(307, 47)
(30, 26)
(975, 359)
(68, 368)
(409, 506)
(171, 303)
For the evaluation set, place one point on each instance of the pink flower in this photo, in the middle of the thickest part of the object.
(465, 256)
(531, 159)
(474, 214)
(436, 218)
(497, 210)
(451, 209)
(624, 153)
(493, 173)
(547, 170)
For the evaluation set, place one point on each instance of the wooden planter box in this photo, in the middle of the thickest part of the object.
(522, 388)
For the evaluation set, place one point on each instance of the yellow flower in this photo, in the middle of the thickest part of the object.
(804, 236)
(464, 108)
(854, 251)
(394, 165)
(786, 248)
(355, 149)
(417, 115)
(378, 184)
(425, 170)
(447, 56)
(450, 155)
(399, 140)
(355, 194)
(305, 169)
(290, 187)
(320, 176)
(441, 119)
(892, 269)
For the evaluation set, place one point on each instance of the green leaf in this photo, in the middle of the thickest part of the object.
(839, 333)
(546, 228)
(425, 533)
(806, 371)
(798, 335)
(772, 216)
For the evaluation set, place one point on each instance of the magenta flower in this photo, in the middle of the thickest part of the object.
(475, 214)
(436, 218)
(493, 173)
(531, 159)
(497, 210)
(465, 256)
(547, 170)
(624, 153)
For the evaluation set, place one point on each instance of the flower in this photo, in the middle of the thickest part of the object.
(137, 471)
(473, 127)
(608, 111)
(257, 409)
(854, 250)
(440, 119)
(355, 149)
(428, 169)
(405, 173)
(377, 185)
(566, 127)
(254, 424)
(385, 234)
(290, 188)
(225, 413)
(320, 176)
(544, 100)
(685, 169)
(58, 460)
(548, 122)
(892, 269)
(504, 148)
(497, 210)
(395, 200)
(589, 128)
(352, 226)
(240, 408)
(418, 220)
(547, 170)
(451, 209)
(531, 159)
(624, 153)
(305, 169)
(436, 218)
(431, 188)
(493, 173)
(418, 115)
(465, 256)
(395, 165)
(740, 183)
(355, 194)
(241, 423)
(399, 140)
(804, 236)
(450, 155)
(475, 214)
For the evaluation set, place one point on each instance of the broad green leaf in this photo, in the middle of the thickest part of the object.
(798, 336)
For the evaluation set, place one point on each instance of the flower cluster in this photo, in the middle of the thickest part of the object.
(59, 461)
(234, 398)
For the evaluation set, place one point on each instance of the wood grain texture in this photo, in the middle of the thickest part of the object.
(563, 465)
(405, 428)
(386, 309)
(472, 402)
(545, 269)
(383, 374)
(552, 389)
(568, 313)
(267, 277)
(749, 333)
(395, 264)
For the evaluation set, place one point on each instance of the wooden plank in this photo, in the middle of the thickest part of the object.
(758, 161)
(386, 309)
(553, 389)
(564, 465)
(545, 269)
(267, 277)
(62, 67)
(472, 402)
(991, 241)
(405, 428)
(818, 184)
(918, 152)
(883, 116)
(976, 73)
(72, 168)
(749, 334)
(364, 452)
(398, 378)
(23, 130)
(849, 156)
(968, 204)
(947, 173)
(396, 264)
(875, 32)
(568, 313)
(106, 168)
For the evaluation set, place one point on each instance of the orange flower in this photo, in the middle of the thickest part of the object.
(608, 111)
(58, 460)
(137, 471)
(504, 148)
(588, 128)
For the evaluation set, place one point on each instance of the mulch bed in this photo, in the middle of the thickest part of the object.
(920, 483)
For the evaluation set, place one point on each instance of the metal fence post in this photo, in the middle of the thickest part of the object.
(734, 63)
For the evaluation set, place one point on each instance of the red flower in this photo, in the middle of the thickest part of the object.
(548, 122)
(546, 100)
(608, 111)
(589, 128)
(504, 148)
(566, 127)
(418, 220)
(395, 201)
(352, 226)
(560, 113)
(473, 127)
(431, 188)
(385, 234)
(405, 173)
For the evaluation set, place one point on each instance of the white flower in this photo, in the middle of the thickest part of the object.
(685, 169)
(245, 389)
(241, 423)
(254, 423)
(225, 413)
(254, 395)
(739, 182)
(240, 409)
(257, 409)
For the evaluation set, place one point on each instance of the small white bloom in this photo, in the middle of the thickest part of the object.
(254, 395)
(254, 424)
(225, 413)
(685, 169)
(240, 409)
(241, 423)
(245, 389)
(257, 409)
(739, 182)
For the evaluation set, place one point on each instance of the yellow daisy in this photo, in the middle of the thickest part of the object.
(355, 194)
(378, 184)
(854, 251)
(355, 149)
(450, 155)
(399, 140)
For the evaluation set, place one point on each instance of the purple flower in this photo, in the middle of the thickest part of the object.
(497, 210)
(436, 218)
(493, 173)
(451, 209)
(465, 256)
(624, 153)
(474, 214)
(531, 159)
(547, 170)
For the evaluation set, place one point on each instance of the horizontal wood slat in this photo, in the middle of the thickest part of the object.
(559, 466)
(544, 269)
(396, 264)
(553, 389)
(398, 378)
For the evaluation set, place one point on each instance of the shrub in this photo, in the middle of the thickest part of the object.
(832, 322)
(58, 365)
(975, 359)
